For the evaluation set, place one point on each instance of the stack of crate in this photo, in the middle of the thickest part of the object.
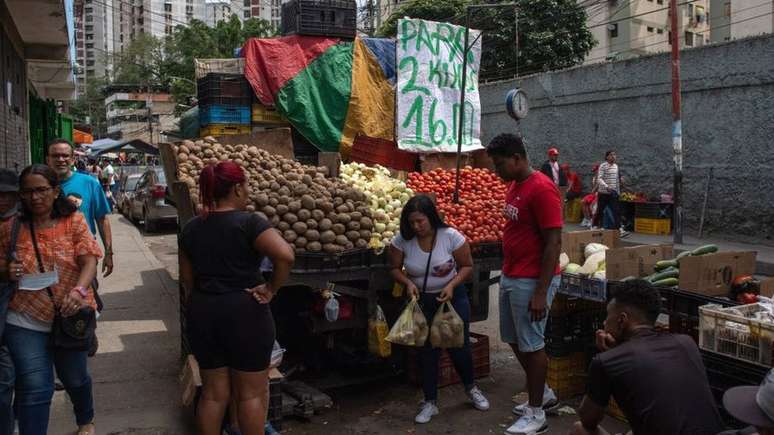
(569, 339)
(224, 104)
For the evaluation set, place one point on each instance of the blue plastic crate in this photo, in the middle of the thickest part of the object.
(224, 115)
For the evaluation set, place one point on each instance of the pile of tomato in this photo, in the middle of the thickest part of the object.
(479, 213)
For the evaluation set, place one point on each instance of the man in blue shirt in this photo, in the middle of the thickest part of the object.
(91, 199)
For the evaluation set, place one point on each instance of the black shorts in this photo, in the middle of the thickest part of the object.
(230, 330)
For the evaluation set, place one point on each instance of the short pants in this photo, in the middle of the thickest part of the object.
(516, 325)
(230, 330)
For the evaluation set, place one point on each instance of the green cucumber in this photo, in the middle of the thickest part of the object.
(665, 264)
(666, 282)
(669, 273)
(706, 249)
(629, 278)
(683, 255)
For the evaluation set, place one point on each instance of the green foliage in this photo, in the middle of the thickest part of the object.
(552, 33)
(91, 106)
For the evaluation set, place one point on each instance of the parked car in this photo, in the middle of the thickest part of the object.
(149, 202)
(126, 189)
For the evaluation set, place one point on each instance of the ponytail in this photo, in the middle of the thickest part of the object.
(216, 181)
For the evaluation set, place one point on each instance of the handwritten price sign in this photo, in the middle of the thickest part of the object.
(429, 86)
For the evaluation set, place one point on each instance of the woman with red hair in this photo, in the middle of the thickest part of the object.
(229, 323)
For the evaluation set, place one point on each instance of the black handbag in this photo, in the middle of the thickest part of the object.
(7, 288)
(73, 333)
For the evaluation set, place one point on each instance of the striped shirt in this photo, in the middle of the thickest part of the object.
(609, 180)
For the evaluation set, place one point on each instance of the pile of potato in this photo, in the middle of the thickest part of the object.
(313, 212)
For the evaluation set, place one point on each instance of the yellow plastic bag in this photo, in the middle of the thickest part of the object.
(377, 334)
(447, 330)
(411, 327)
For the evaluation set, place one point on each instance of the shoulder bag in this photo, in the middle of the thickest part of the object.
(74, 333)
(429, 257)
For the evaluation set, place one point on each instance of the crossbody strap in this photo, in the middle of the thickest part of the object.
(40, 261)
(429, 257)
(11, 254)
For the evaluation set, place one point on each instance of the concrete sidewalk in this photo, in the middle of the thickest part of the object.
(136, 390)
(765, 258)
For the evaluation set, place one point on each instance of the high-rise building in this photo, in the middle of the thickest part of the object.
(269, 10)
(740, 18)
(630, 28)
(93, 20)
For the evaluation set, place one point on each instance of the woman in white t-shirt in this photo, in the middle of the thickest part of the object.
(423, 231)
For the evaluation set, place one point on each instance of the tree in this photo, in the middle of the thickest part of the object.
(143, 62)
(552, 33)
(89, 107)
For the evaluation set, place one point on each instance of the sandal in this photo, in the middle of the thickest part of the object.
(87, 429)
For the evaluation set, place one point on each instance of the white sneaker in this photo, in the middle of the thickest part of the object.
(549, 401)
(426, 412)
(478, 399)
(533, 422)
(585, 223)
(624, 233)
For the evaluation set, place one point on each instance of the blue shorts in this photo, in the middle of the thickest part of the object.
(516, 325)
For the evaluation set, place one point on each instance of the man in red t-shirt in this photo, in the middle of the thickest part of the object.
(530, 272)
(574, 185)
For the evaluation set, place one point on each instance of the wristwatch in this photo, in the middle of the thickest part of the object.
(83, 291)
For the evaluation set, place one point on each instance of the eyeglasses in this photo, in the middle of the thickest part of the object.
(56, 157)
(40, 191)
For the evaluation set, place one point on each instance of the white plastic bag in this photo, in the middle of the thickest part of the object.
(411, 327)
(447, 330)
(276, 355)
(332, 309)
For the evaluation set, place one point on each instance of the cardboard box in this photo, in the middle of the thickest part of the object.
(573, 243)
(712, 274)
(444, 161)
(767, 287)
(637, 261)
(190, 380)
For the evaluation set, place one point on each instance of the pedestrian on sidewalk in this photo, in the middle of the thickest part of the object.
(229, 321)
(437, 262)
(530, 272)
(657, 379)
(55, 239)
(9, 200)
(88, 196)
(590, 201)
(574, 184)
(609, 187)
(553, 170)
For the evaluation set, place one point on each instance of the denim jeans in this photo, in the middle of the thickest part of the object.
(461, 357)
(7, 379)
(35, 361)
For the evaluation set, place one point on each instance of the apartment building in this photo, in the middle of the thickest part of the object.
(93, 21)
(625, 29)
(35, 65)
(740, 18)
(133, 113)
(269, 10)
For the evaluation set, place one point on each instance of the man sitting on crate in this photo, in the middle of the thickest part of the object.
(657, 379)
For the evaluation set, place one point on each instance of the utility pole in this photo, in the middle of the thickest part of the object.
(677, 127)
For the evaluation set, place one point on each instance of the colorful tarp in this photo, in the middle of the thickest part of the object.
(329, 89)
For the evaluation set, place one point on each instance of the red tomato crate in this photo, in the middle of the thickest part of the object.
(373, 151)
(447, 375)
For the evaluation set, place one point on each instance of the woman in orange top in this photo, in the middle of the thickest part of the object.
(67, 247)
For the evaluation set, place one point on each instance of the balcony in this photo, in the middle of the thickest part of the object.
(46, 38)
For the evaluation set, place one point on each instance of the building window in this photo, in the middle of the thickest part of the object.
(167, 7)
(613, 28)
(168, 17)
(247, 3)
(89, 18)
(661, 2)
(89, 10)
(89, 63)
(727, 9)
(688, 39)
(89, 37)
(89, 28)
(651, 29)
(660, 31)
(256, 12)
(90, 54)
(189, 9)
(246, 13)
(90, 45)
